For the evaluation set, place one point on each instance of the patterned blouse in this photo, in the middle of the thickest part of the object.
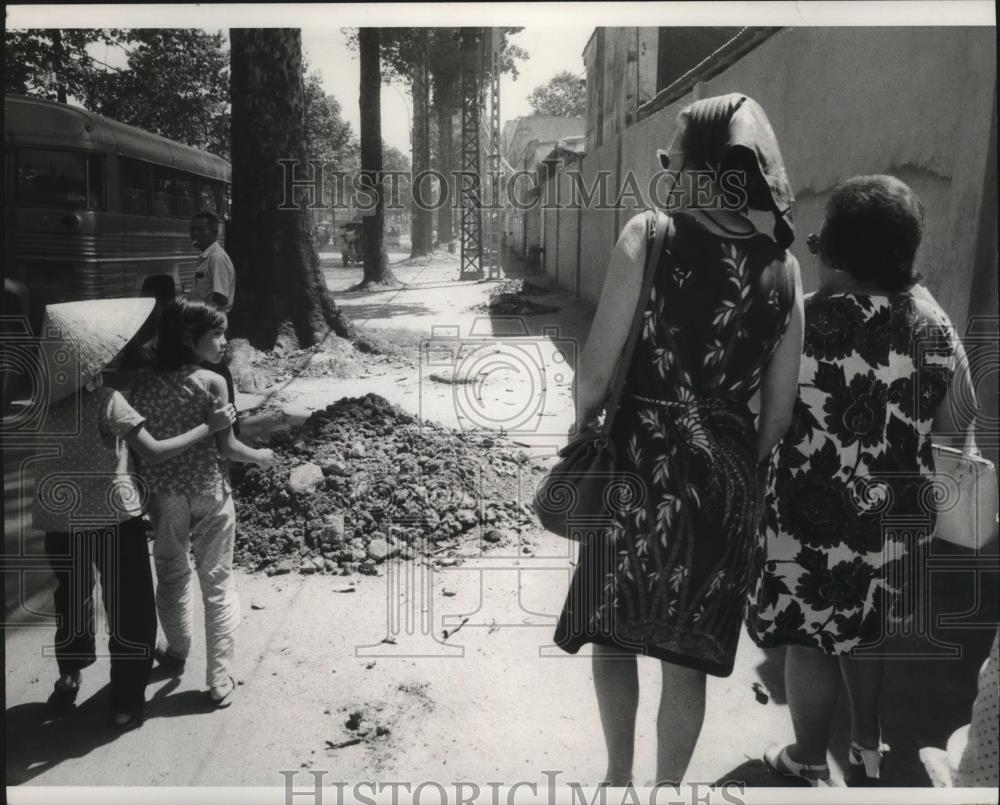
(174, 402)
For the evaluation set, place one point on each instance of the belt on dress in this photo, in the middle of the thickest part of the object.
(694, 402)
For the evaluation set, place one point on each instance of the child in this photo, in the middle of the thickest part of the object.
(89, 504)
(191, 501)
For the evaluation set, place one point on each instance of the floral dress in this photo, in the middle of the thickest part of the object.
(849, 508)
(670, 579)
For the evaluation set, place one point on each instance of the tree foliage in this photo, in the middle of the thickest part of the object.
(175, 81)
(54, 63)
(176, 84)
(563, 95)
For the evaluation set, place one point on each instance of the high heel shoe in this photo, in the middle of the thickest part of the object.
(865, 766)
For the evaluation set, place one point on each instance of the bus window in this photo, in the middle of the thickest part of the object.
(59, 177)
(225, 201)
(164, 193)
(208, 195)
(136, 180)
(185, 196)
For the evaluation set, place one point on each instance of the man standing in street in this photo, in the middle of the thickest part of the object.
(214, 282)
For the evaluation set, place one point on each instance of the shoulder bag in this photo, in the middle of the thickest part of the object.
(579, 496)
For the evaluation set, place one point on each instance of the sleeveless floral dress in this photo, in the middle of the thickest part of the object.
(849, 509)
(670, 579)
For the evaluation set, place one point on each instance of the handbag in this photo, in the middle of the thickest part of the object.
(579, 496)
(965, 495)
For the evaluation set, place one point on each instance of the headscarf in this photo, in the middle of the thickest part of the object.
(732, 132)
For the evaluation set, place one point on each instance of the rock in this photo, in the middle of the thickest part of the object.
(379, 550)
(307, 569)
(467, 518)
(256, 605)
(305, 478)
(336, 468)
(280, 569)
(368, 568)
(329, 565)
(358, 450)
(493, 535)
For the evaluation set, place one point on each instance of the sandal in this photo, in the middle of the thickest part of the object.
(63, 695)
(777, 760)
(226, 699)
(865, 765)
(168, 661)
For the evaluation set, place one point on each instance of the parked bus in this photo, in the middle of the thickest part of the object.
(97, 209)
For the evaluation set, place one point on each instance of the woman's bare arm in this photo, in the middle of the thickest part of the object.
(955, 419)
(610, 327)
(780, 383)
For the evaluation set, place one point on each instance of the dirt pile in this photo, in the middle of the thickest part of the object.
(362, 482)
(510, 298)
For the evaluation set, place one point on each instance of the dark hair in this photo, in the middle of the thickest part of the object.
(872, 230)
(210, 218)
(184, 318)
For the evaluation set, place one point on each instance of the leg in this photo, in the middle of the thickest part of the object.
(679, 721)
(616, 681)
(812, 682)
(127, 584)
(69, 556)
(863, 678)
(171, 526)
(213, 533)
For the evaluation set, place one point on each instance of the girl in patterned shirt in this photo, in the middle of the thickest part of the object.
(191, 500)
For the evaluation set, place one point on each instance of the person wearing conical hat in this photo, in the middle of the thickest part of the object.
(89, 502)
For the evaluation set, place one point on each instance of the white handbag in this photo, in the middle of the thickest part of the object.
(966, 497)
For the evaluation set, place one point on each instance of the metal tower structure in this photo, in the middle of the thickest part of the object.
(495, 196)
(471, 261)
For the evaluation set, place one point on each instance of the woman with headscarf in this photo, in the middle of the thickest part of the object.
(723, 320)
(850, 504)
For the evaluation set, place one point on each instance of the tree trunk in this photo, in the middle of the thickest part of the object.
(59, 65)
(377, 271)
(444, 107)
(280, 290)
(421, 237)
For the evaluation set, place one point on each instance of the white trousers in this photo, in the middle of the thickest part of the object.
(206, 528)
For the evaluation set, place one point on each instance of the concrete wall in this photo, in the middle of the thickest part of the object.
(915, 102)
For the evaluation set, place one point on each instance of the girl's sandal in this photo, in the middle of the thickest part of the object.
(226, 699)
(777, 760)
(865, 765)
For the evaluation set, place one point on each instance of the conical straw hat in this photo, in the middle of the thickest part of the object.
(80, 338)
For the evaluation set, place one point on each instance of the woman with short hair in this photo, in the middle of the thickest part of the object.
(878, 377)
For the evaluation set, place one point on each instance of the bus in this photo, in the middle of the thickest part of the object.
(98, 209)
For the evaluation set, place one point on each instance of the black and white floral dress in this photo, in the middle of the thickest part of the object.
(850, 503)
(670, 580)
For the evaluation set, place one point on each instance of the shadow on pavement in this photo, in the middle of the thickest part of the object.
(39, 737)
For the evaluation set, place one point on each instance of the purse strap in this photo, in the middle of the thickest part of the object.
(658, 224)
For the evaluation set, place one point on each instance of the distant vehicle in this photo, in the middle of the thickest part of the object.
(97, 209)
(351, 250)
